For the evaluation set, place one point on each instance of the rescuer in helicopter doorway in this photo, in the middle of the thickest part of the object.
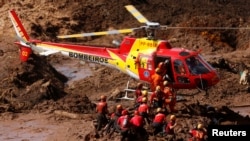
(156, 79)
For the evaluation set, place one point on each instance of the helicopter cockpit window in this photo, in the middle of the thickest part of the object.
(179, 67)
(195, 66)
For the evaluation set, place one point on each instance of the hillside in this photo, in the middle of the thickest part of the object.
(35, 90)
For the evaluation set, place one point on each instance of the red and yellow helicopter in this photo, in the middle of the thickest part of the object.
(137, 57)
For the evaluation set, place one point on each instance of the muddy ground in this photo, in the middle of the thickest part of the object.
(34, 96)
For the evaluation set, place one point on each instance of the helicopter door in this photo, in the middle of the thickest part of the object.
(180, 73)
(145, 67)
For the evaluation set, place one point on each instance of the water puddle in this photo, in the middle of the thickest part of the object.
(26, 128)
(242, 110)
(74, 70)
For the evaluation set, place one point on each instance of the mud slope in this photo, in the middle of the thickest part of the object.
(36, 86)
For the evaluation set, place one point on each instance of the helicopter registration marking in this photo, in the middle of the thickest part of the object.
(90, 58)
(148, 44)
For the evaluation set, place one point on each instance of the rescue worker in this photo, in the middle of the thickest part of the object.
(198, 134)
(143, 110)
(138, 90)
(169, 96)
(166, 65)
(102, 110)
(169, 129)
(123, 124)
(137, 125)
(162, 67)
(111, 126)
(157, 98)
(156, 79)
(159, 121)
(138, 101)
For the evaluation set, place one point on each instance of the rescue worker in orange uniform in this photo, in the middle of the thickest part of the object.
(169, 129)
(162, 67)
(170, 97)
(138, 101)
(143, 110)
(157, 98)
(102, 110)
(111, 126)
(156, 79)
(198, 134)
(137, 125)
(123, 124)
(159, 121)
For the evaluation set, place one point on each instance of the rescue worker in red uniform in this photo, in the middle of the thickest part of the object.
(156, 79)
(138, 101)
(102, 110)
(159, 121)
(137, 125)
(198, 134)
(170, 97)
(138, 90)
(111, 126)
(143, 110)
(124, 125)
(157, 98)
(170, 127)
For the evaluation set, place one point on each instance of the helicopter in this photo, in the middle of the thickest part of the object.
(136, 57)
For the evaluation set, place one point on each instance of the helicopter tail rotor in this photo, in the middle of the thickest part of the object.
(22, 36)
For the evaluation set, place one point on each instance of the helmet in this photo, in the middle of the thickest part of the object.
(139, 85)
(165, 83)
(160, 65)
(172, 117)
(157, 70)
(119, 107)
(144, 99)
(158, 88)
(166, 61)
(145, 93)
(103, 97)
(124, 112)
(158, 110)
(199, 126)
(136, 112)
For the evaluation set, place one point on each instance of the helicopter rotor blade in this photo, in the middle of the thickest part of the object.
(98, 33)
(136, 14)
(202, 28)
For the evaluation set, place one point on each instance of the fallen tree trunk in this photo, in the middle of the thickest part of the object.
(66, 114)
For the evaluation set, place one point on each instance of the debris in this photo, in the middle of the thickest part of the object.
(66, 114)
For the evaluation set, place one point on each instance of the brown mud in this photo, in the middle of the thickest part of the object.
(32, 93)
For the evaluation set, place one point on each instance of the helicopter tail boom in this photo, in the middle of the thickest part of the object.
(22, 36)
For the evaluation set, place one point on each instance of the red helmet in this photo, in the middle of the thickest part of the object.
(124, 112)
(136, 112)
